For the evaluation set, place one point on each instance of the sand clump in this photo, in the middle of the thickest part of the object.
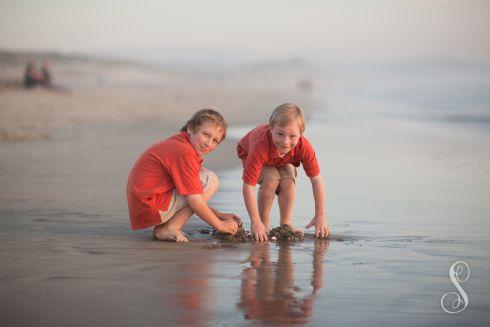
(241, 236)
(285, 233)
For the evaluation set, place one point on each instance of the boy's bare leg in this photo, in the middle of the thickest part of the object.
(172, 229)
(265, 199)
(286, 202)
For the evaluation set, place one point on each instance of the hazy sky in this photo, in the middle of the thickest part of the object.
(343, 29)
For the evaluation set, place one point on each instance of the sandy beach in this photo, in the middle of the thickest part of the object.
(406, 197)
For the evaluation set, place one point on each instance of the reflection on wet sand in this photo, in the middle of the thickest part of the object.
(192, 293)
(268, 291)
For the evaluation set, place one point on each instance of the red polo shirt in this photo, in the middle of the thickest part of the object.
(170, 164)
(256, 150)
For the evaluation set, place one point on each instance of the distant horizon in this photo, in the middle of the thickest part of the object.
(349, 30)
(161, 55)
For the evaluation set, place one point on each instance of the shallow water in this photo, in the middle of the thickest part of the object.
(409, 198)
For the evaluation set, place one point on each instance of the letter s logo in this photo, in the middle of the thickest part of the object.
(459, 272)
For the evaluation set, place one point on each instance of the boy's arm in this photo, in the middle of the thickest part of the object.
(320, 219)
(258, 229)
(200, 208)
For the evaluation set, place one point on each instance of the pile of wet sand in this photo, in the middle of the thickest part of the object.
(284, 233)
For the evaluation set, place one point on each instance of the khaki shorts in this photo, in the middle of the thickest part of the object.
(283, 172)
(179, 202)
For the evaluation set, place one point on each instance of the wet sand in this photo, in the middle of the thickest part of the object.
(406, 199)
(68, 256)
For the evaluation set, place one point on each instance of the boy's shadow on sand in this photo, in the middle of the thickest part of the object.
(268, 291)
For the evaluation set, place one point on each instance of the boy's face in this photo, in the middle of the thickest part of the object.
(205, 138)
(285, 137)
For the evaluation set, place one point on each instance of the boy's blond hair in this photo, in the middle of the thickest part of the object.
(287, 113)
(206, 115)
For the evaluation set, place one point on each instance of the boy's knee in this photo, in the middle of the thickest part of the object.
(210, 180)
(287, 183)
(214, 182)
(270, 185)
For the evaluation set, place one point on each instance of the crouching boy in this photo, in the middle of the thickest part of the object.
(167, 183)
(270, 154)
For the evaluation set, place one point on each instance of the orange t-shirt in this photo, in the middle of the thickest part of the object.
(170, 164)
(256, 150)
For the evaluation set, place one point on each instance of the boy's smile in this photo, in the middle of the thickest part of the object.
(205, 138)
(285, 138)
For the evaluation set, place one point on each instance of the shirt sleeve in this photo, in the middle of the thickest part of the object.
(185, 175)
(308, 159)
(252, 167)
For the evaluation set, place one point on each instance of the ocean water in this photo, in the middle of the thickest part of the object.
(409, 199)
(407, 195)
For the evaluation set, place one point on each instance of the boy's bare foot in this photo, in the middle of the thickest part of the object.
(162, 233)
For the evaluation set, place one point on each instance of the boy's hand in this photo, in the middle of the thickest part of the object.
(230, 216)
(258, 232)
(321, 227)
(228, 226)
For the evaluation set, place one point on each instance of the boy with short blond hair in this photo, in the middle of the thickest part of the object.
(270, 154)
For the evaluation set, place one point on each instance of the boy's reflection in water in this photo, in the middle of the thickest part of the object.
(193, 296)
(268, 292)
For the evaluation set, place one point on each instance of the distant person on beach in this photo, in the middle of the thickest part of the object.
(33, 76)
(168, 184)
(46, 73)
(270, 154)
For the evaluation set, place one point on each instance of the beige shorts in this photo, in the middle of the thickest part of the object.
(179, 202)
(284, 172)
